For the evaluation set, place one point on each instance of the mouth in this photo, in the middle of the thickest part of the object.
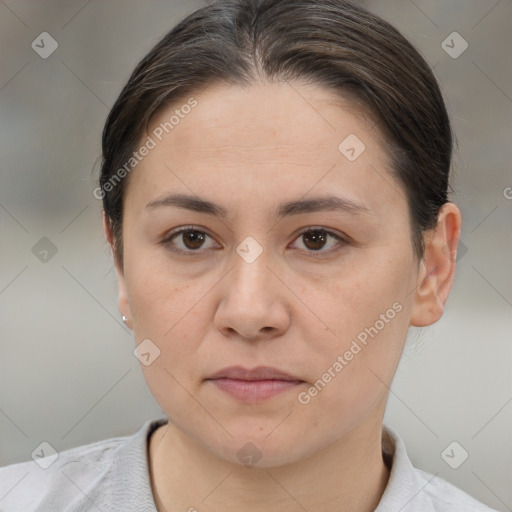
(254, 385)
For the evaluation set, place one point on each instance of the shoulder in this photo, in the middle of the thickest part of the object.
(412, 490)
(444, 496)
(46, 480)
(74, 476)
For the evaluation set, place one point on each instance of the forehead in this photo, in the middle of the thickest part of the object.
(264, 139)
(264, 116)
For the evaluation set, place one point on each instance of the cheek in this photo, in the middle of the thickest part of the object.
(365, 300)
(165, 309)
(354, 378)
(160, 299)
(366, 317)
(171, 314)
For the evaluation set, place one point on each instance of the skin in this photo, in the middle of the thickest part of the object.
(293, 308)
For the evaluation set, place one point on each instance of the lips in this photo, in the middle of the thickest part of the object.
(254, 385)
(259, 373)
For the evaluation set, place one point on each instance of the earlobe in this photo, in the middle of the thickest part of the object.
(123, 300)
(437, 269)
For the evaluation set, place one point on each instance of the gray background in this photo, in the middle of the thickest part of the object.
(67, 372)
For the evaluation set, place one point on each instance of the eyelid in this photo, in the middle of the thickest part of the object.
(342, 239)
(329, 231)
(169, 235)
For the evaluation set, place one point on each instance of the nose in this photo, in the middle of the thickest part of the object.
(253, 305)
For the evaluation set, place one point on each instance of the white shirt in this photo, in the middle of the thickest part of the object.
(113, 475)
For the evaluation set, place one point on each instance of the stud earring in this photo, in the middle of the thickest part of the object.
(125, 320)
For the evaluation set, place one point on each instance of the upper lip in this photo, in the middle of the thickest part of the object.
(258, 373)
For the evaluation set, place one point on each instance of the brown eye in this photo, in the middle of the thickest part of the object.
(314, 240)
(188, 241)
(193, 239)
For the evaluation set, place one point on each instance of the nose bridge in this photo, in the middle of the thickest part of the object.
(251, 304)
(250, 275)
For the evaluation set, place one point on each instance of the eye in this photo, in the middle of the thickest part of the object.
(189, 240)
(315, 239)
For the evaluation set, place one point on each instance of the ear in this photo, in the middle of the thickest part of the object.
(437, 269)
(122, 301)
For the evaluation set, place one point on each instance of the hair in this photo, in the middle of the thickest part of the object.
(336, 44)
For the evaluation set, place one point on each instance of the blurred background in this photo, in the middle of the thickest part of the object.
(68, 375)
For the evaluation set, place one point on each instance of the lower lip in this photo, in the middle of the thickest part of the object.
(254, 391)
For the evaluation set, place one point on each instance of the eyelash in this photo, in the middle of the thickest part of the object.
(342, 242)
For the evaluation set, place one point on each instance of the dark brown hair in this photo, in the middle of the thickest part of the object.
(336, 44)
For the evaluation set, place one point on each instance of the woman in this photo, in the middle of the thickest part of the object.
(275, 188)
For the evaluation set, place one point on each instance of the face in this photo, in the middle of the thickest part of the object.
(321, 291)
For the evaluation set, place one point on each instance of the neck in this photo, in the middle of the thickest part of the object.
(349, 475)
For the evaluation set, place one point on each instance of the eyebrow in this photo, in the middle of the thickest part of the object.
(314, 204)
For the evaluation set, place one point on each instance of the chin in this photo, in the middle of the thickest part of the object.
(256, 448)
